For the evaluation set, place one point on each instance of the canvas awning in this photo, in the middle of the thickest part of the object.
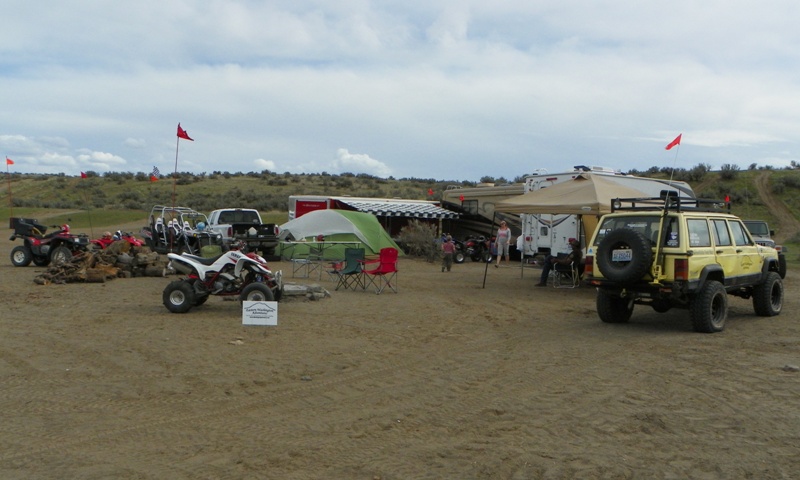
(398, 208)
(586, 194)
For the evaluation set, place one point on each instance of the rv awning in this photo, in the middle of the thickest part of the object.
(399, 208)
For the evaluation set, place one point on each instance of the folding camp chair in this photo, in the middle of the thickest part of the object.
(349, 275)
(384, 273)
(567, 276)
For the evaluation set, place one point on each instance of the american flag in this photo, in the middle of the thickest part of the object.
(155, 172)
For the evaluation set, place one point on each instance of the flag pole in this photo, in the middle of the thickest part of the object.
(10, 196)
(175, 174)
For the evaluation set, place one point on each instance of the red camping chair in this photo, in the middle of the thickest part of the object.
(381, 272)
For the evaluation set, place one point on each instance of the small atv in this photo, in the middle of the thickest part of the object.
(43, 248)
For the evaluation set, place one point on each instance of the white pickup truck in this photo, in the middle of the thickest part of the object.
(244, 224)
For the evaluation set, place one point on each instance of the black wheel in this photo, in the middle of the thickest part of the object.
(709, 308)
(41, 260)
(179, 296)
(624, 255)
(60, 255)
(661, 305)
(459, 257)
(257, 292)
(782, 265)
(21, 256)
(768, 296)
(613, 309)
(488, 257)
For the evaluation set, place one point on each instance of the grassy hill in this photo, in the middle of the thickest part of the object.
(123, 198)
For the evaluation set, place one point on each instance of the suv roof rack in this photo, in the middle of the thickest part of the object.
(669, 200)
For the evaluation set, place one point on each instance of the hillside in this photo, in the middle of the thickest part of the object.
(759, 193)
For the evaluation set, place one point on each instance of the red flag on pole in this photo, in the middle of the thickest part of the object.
(154, 174)
(9, 161)
(461, 197)
(430, 191)
(83, 175)
(677, 141)
(182, 134)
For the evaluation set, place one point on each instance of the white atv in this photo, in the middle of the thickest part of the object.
(232, 273)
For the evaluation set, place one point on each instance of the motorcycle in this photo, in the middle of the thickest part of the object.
(42, 248)
(231, 273)
(478, 248)
(103, 242)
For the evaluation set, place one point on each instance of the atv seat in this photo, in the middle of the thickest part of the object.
(205, 261)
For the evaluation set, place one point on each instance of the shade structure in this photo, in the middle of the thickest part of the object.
(339, 226)
(586, 194)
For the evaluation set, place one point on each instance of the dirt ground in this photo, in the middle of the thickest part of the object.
(444, 380)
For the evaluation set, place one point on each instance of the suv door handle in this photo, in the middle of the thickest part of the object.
(739, 250)
(719, 252)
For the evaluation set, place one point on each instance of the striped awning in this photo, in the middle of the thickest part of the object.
(399, 208)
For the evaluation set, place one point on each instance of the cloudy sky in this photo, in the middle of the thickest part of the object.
(449, 90)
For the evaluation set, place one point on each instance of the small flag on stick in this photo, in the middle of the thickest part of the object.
(9, 161)
(182, 134)
(677, 141)
(154, 174)
(430, 191)
(83, 175)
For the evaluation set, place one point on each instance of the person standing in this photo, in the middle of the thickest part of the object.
(448, 251)
(502, 241)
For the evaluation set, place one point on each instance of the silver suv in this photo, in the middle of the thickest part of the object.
(678, 252)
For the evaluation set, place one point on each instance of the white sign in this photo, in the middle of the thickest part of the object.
(259, 313)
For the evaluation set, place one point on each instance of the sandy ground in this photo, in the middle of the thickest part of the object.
(445, 380)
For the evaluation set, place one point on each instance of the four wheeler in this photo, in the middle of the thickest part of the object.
(107, 239)
(478, 249)
(42, 248)
(233, 273)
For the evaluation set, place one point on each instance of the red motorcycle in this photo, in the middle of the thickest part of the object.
(41, 247)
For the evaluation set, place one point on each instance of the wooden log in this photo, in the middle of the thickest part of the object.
(95, 276)
(154, 271)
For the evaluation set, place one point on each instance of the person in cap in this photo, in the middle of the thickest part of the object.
(574, 256)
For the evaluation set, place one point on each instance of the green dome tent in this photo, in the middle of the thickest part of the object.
(336, 226)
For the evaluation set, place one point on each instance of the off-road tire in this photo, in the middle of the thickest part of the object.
(613, 309)
(459, 257)
(60, 255)
(257, 292)
(782, 265)
(41, 260)
(488, 257)
(624, 272)
(709, 308)
(768, 296)
(179, 296)
(21, 256)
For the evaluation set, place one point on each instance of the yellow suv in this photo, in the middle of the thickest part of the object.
(679, 252)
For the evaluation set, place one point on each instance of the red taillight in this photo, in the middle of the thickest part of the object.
(681, 269)
(230, 232)
(588, 265)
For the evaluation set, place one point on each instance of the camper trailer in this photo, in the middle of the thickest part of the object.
(544, 234)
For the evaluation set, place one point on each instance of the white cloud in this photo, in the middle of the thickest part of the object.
(359, 163)
(262, 164)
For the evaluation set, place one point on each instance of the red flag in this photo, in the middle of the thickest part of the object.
(83, 175)
(153, 178)
(430, 191)
(9, 161)
(182, 134)
(677, 141)
(461, 197)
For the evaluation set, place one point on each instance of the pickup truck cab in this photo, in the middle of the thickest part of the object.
(244, 225)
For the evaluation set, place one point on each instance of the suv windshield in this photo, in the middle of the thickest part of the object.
(647, 225)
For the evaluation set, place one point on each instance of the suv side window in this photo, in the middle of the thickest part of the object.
(721, 236)
(699, 236)
(739, 234)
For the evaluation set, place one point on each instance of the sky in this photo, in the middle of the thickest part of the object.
(435, 89)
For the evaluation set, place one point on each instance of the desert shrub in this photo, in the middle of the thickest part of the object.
(729, 171)
(419, 239)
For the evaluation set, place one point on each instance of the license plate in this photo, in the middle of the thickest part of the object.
(622, 255)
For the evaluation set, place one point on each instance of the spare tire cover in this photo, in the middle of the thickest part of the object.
(627, 270)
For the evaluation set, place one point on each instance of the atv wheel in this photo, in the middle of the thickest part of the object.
(60, 255)
(624, 271)
(709, 308)
(41, 260)
(768, 297)
(459, 257)
(21, 256)
(257, 292)
(179, 296)
(488, 257)
(613, 309)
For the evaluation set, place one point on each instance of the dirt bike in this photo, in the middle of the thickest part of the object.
(478, 249)
(42, 248)
(103, 242)
(232, 273)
